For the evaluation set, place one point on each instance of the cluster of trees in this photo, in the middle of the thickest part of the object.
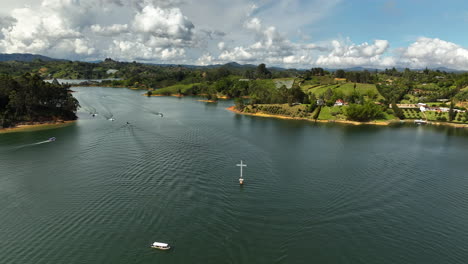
(395, 91)
(308, 74)
(364, 112)
(28, 98)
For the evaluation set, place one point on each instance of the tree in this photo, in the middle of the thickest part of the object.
(28, 98)
(398, 112)
(340, 74)
(262, 72)
(317, 113)
(452, 113)
(239, 104)
(363, 113)
(313, 103)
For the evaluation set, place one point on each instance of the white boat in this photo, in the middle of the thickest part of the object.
(159, 245)
(420, 121)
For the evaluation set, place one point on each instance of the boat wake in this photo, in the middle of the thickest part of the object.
(33, 144)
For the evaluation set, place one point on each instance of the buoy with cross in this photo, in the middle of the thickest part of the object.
(241, 165)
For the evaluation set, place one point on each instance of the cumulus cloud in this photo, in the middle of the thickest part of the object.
(276, 32)
(45, 29)
(269, 46)
(115, 29)
(434, 52)
(164, 23)
(350, 55)
(205, 59)
(74, 29)
(221, 45)
(132, 50)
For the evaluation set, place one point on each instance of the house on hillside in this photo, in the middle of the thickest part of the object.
(339, 102)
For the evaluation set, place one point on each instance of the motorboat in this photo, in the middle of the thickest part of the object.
(51, 139)
(159, 245)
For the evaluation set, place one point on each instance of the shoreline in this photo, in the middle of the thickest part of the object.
(208, 101)
(33, 126)
(377, 123)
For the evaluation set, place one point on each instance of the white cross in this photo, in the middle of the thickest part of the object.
(241, 165)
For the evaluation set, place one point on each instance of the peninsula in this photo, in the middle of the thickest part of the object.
(28, 100)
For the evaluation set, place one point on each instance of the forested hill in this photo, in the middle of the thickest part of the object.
(28, 98)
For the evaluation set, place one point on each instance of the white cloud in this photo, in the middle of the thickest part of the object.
(270, 47)
(276, 32)
(351, 55)
(237, 54)
(434, 52)
(205, 59)
(44, 29)
(134, 50)
(164, 23)
(112, 30)
(253, 24)
(221, 45)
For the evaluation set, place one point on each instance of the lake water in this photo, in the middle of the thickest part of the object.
(313, 193)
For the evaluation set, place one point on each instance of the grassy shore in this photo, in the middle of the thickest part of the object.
(342, 121)
(260, 114)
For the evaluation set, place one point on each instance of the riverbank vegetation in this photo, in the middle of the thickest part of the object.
(320, 94)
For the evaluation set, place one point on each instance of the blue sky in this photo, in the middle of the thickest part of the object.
(398, 21)
(287, 33)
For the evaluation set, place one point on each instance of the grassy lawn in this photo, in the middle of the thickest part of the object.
(174, 89)
(333, 113)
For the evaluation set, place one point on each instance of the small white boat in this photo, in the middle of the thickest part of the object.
(51, 139)
(159, 245)
(420, 121)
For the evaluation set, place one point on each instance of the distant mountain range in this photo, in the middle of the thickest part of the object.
(26, 57)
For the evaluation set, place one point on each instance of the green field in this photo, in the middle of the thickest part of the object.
(174, 89)
(345, 88)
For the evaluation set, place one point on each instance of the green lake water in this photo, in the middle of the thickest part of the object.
(313, 193)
